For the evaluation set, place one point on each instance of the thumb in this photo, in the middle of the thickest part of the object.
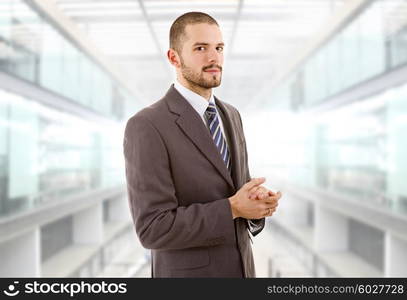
(254, 182)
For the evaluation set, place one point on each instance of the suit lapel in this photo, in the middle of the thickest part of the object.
(191, 124)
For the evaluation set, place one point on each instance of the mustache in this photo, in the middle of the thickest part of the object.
(212, 67)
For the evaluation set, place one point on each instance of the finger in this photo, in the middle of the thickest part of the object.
(259, 192)
(270, 199)
(258, 188)
(253, 197)
(271, 204)
(271, 193)
(254, 182)
(262, 190)
(253, 192)
(260, 195)
(276, 196)
(270, 212)
(266, 193)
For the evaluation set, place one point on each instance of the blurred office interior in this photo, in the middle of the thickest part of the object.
(322, 89)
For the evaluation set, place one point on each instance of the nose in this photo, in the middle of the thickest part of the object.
(214, 56)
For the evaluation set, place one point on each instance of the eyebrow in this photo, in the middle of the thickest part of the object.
(206, 44)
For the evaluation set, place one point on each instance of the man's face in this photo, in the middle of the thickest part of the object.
(202, 55)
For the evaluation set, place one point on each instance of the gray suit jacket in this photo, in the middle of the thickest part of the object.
(178, 189)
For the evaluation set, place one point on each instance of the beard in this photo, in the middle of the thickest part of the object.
(198, 79)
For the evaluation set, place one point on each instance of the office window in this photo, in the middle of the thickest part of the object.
(350, 54)
(85, 86)
(397, 148)
(25, 37)
(5, 18)
(23, 151)
(351, 153)
(311, 84)
(360, 150)
(372, 57)
(5, 25)
(334, 66)
(97, 96)
(398, 48)
(102, 95)
(46, 155)
(51, 60)
(70, 70)
(395, 29)
(111, 164)
(117, 103)
(34, 49)
(322, 65)
(65, 142)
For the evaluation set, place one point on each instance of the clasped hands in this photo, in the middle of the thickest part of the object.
(254, 201)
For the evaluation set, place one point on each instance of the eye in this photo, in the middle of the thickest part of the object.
(220, 48)
(200, 48)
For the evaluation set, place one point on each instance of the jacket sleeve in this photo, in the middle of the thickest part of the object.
(159, 221)
(255, 225)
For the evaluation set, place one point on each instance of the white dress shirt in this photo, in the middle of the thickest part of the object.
(200, 104)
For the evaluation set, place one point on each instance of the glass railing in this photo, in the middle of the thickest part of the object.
(34, 49)
(357, 151)
(46, 154)
(373, 43)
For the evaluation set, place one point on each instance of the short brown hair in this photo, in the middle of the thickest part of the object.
(177, 31)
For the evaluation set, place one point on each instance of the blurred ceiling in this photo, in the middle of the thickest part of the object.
(260, 36)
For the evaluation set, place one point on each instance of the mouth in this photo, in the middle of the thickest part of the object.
(212, 71)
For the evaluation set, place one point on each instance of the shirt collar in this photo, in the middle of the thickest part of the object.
(199, 103)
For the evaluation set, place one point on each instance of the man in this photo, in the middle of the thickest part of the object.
(190, 192)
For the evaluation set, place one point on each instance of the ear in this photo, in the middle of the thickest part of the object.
(173, 58)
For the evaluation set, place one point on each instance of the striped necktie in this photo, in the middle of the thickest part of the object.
(212, 120)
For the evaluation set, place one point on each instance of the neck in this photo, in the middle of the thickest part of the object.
(204, 92)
